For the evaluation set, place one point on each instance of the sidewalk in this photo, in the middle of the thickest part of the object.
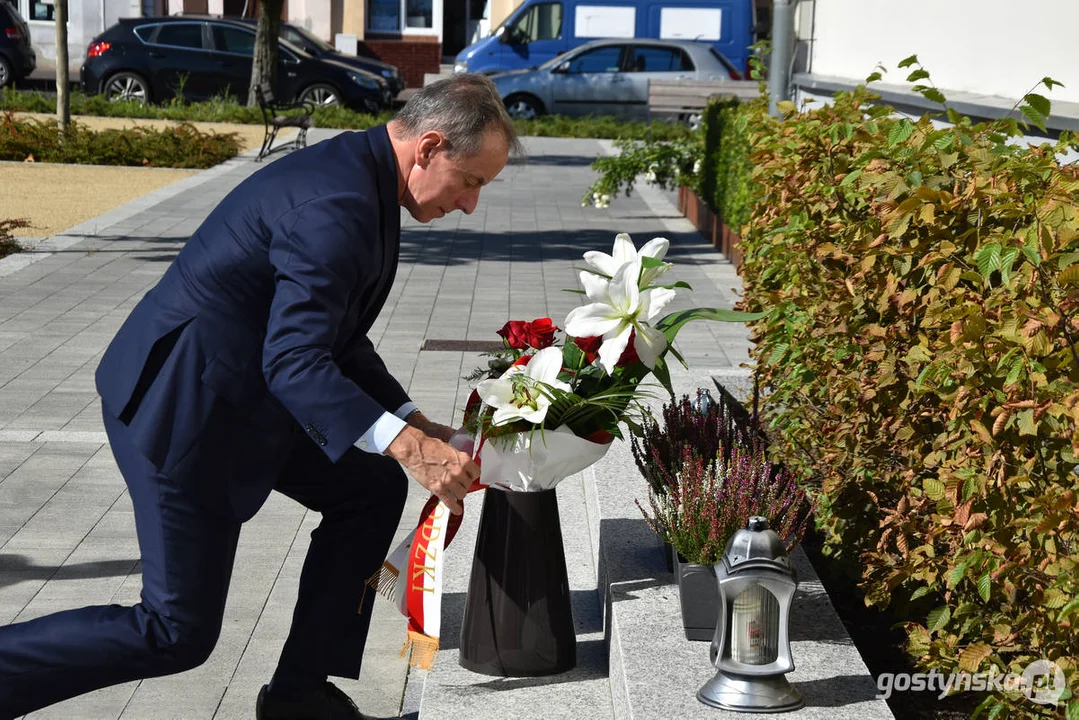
(66, 527)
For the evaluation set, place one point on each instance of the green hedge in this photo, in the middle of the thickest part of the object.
(921, 369)
(182, 146)
(725, 165)
(228, 110)
(8, 244)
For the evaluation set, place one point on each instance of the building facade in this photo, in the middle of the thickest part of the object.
(992, 51)
(414, 35)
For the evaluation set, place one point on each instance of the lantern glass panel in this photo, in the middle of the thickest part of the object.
(755, 627)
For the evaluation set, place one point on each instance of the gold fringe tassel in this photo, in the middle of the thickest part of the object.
(421, 650)
(382, 582)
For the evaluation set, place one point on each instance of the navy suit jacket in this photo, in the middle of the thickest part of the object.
(259, 327)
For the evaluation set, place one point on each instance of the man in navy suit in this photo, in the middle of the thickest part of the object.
(248, 369)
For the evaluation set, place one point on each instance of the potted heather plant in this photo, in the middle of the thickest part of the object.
(707, 475)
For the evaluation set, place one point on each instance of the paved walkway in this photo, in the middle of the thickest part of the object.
(66, 527)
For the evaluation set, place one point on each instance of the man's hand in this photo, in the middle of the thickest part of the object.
(442, 432)
(446, 472)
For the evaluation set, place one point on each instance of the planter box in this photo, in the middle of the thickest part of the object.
(698, 595)
(709, 224)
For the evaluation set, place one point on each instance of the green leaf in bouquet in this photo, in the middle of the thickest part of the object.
(663, 374)
(680, 284)
(671, 349)
(574, 291)
(572, 356)
(591, 271)
(670, 324)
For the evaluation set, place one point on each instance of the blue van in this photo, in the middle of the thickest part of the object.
(539, 30)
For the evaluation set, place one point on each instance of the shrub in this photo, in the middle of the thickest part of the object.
(726, 167)
(182, 146)
(921, 369)
(712, 498)
(710, 429)
(8, 244)
(228, 109)
(667, 164)
(708, 474)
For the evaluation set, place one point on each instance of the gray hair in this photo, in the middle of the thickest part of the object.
(462, 107)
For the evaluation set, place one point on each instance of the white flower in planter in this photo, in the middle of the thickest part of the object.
(523, 391)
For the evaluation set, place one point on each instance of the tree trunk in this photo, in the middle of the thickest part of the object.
(63, 102)
(264, 66)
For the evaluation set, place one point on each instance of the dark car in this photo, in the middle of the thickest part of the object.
(17, 58)
(156, 58)
(317, 47)
(314, 45)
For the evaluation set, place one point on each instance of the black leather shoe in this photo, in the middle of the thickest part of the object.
(329, 703)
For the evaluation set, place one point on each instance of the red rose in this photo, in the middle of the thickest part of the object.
(523, 360)
(515, 334)
(590, 347)
(629, 355)
(540, 332)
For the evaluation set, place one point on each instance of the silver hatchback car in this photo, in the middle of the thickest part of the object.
(608, 77)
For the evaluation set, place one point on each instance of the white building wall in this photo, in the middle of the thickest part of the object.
(313, 15)
(989, 47)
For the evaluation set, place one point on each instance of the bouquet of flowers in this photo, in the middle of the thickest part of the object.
(545, 411)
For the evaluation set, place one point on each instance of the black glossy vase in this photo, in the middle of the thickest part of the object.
(518, 619)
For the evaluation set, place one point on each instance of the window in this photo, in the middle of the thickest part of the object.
(396, 16)
(419, 13)
(145, 32)
(41, 10)
(600, 60)
(233, 40)
(182, 35)
(660, 59)
(540, 22)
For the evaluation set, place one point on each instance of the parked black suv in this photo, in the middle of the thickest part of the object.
(17, 58)
(152, 59)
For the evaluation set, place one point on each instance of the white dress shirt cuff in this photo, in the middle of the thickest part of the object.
(385, 430)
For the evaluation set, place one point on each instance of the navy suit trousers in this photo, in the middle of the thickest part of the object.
(187, 558)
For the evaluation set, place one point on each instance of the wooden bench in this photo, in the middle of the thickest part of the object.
(685, 99)
(277, 115)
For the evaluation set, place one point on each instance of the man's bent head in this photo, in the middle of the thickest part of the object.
(451, 138)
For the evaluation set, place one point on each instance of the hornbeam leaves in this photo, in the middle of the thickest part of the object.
(926, 358)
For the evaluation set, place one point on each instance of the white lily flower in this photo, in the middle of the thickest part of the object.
(619, 307)
(517, 395)
(625, 251)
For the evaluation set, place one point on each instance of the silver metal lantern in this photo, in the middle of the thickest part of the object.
(751, 648)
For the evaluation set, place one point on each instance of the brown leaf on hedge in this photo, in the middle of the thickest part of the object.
(973, 655)
(1002, 420)
(962, 513)
(980, 430)
(976, 520)
(956, 332)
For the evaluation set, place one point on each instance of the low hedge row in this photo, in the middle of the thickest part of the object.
(921, 369)
(228, 110)
(725, 164)
(182, 146)
(8, 244)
